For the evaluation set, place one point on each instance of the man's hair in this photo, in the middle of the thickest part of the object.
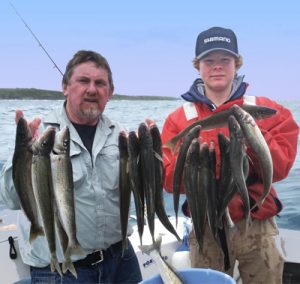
(238, 62)
(83, 56)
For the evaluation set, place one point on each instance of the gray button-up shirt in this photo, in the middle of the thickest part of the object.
(96, 192)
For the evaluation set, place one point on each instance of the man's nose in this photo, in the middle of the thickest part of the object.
(91, 88)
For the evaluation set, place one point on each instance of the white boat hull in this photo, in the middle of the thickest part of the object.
(13, 270)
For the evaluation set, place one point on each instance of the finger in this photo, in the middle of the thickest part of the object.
(34, 125)
(150, 122)
(18, 115)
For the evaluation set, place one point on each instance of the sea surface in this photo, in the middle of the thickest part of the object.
(131, 114)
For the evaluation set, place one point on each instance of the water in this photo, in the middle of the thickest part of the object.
(131, 113)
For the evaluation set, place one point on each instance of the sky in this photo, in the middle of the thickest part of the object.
(150, 44)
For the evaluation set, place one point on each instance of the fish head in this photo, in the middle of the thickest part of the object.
(234, 128)
(242, 115)
(44, 143)
(145, 136)
(62, 141)
(133, 143)
(23, 133)
(123, 144)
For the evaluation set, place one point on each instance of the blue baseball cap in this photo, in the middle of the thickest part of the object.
(216, 38)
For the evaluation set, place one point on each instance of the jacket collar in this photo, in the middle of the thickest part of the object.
(196, 92)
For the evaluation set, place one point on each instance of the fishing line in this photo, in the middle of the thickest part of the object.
(35, 37)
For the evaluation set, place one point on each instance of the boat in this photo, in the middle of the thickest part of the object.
(13, 270)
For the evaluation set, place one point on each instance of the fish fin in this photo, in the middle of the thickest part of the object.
(74, 250)
(170, 145)
(35, 231)
(68, 265)
(157, 156)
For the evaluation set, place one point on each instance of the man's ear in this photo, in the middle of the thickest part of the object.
(64, 89)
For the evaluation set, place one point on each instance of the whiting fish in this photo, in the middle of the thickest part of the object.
(204, 185)
(191, 185)
(63, 188)
(180, 160)
(167, 273)
(134, 169)
(237, 155)
(212, 193)
(225, 183)
(124, 188)
(159, 175)
(148, 173)
(21, 173)
(219, 119)
(43, 191)
(259, 146)
(63, 240)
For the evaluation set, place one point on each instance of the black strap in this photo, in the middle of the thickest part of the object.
(12, 249)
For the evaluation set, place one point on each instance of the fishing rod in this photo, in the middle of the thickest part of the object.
(35, 37)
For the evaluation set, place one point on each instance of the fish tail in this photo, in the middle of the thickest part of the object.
(54, 265)
(124, 245)
(257, 204)
(170, 145)
(141, 239)
(68, 265)
(35, 231)
(147, 249)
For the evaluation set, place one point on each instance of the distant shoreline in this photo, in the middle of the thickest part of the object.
(38, 94)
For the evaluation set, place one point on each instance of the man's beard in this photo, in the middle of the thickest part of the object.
(90, 113)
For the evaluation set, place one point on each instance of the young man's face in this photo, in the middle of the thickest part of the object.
(217, 70)
(87, 92)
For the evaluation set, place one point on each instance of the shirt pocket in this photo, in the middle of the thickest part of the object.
(79, 169)
(109, 166)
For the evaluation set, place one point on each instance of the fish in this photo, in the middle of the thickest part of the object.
(43, 189)
(63, 240)
(134, 170)
(167, 273)
(179, 166)
(197, 204)
(63, 189)
(212, 193)
(219, 119)
(21, 174)
(259, 146)
(237, 153)
(225, 183)
(204, 185)
(148, 173)
(124, 188)
(159, 176)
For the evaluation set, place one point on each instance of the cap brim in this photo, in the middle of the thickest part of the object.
(216, 49)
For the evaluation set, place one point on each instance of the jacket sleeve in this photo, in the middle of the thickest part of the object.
(8, 194)
(281, 134)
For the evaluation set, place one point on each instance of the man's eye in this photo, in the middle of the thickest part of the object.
(83, 81)
(100, 83)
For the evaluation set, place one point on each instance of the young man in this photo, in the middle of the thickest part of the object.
(87, 85)
(217, 60)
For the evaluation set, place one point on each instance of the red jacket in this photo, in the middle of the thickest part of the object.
(281, 134)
